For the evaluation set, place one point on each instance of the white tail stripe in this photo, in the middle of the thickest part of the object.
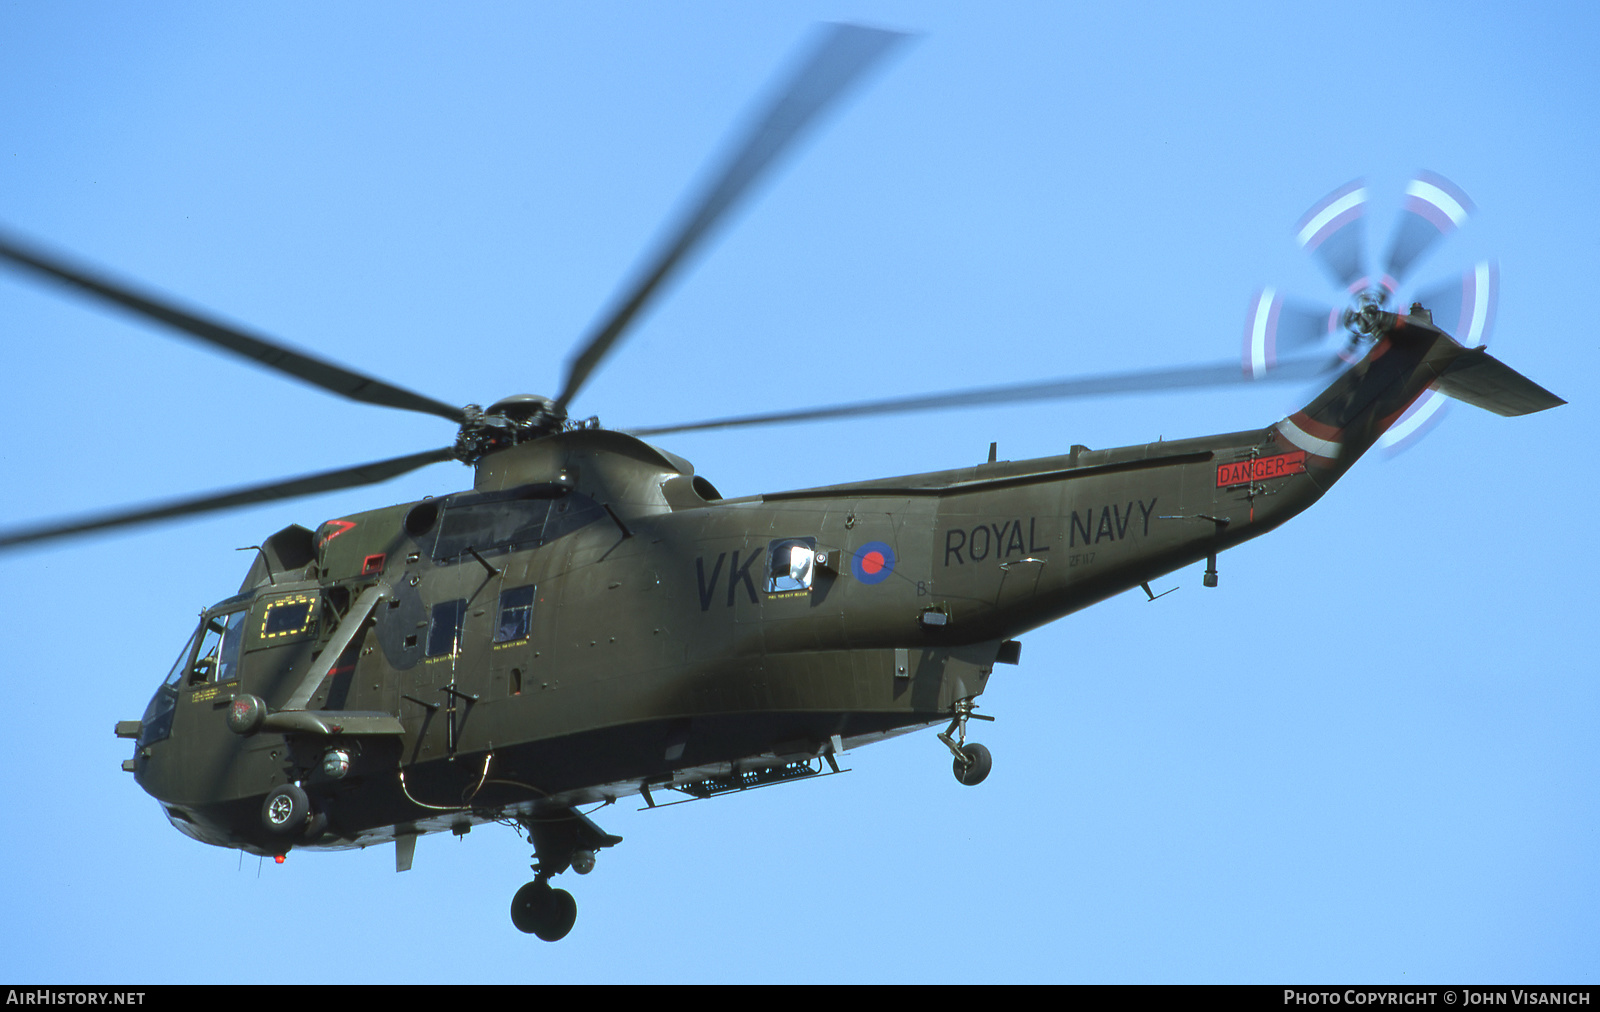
(1307, 442)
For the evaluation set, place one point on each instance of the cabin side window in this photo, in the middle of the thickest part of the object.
(444, 631)
(491, 526)
(516, 615)
(569, 513)
(791, 565)
(504, 524)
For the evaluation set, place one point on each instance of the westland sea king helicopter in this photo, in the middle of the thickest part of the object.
(592, 620)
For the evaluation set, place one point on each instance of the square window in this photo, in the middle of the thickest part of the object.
(287, 618)
(516, 615)
(791, 565)
(444, 633)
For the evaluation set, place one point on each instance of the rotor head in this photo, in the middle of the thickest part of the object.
(507, 422)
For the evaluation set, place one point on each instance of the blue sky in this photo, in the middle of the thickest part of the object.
(1368, 755)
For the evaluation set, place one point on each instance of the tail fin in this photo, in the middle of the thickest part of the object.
(1485, 382)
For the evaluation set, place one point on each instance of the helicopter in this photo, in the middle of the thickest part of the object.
(593, 620)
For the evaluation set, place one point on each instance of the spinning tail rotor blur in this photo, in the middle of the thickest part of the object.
(1278, 330)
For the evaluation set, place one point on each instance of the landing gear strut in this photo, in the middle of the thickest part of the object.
(972, 762)
(562, 838)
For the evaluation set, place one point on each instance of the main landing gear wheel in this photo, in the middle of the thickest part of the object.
(285, 809)
(972, 765)
(540, 910)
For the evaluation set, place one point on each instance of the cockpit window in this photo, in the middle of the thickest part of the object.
(220, 640)
(791, 565)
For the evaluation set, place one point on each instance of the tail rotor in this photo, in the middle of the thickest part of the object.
(1333, 230)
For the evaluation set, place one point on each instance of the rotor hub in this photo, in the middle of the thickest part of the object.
(1364, 317)
(507, 422)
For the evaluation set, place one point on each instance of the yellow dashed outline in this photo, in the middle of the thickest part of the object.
(266, 613)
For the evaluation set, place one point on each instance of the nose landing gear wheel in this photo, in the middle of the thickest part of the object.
(540, 910)
(972, 765)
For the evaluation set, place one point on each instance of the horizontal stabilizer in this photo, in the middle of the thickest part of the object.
(1485, 382)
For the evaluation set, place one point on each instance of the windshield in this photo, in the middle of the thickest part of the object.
(157, 722)
(181, 665)
(220, 639)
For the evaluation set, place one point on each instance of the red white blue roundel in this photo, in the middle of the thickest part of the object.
(873, 562)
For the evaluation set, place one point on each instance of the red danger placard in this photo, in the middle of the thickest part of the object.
(1262, 468)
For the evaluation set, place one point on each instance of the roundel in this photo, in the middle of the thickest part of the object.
(873, 562)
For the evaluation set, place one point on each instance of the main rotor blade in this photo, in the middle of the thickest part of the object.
(301, 365)
(326, 481)
(1185, 378)
(840, 57)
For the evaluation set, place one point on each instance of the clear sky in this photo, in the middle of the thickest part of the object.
(1369, 755)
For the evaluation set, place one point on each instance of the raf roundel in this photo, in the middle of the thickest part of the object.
(873, 562)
